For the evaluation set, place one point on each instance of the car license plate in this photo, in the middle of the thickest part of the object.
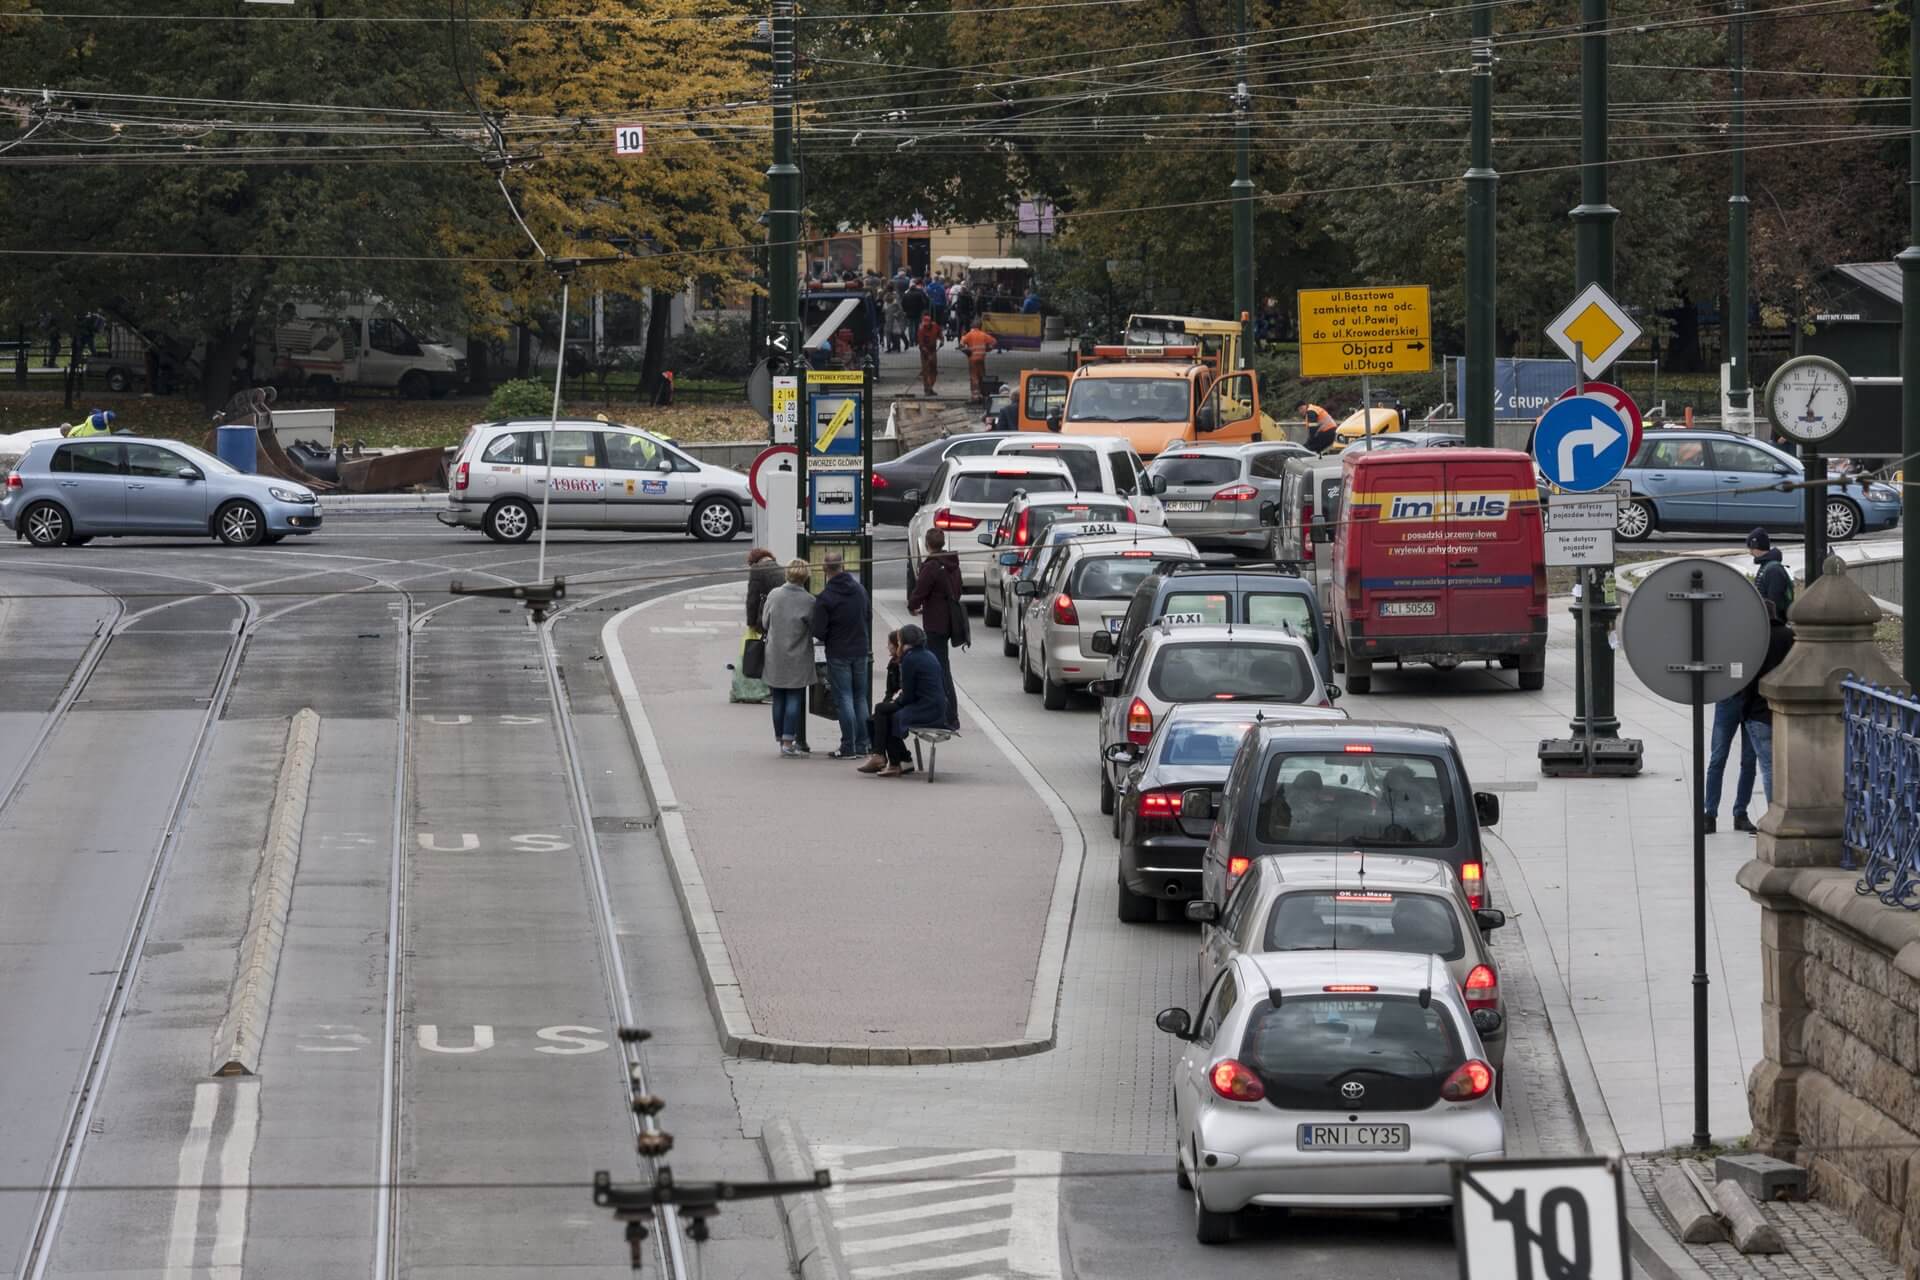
(1354, 1137)
(1186, 506)
(1406, 608)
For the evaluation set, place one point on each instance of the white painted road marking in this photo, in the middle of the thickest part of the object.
(192, 1172)
(236, 1170)
(1010, 1197)
(429, 1037)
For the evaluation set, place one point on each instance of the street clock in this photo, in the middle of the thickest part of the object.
(1808, 399)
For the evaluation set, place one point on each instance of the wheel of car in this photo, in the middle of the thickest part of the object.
(989, 616)
(1008, 645)
(1210, 1227)
(1843, 520)
(47, 524)
(1135, 908)
(1029, 682)
(1180, 1175)
(508, 520)
(239, 524)
(117, 380)
(1508, 661)
(79, 539)
(1635, 520)
(1533, 681)
(1053, 695)
(716, 520)
(1359, 675)
(1106, 791)
(272, 538)
(414, 385)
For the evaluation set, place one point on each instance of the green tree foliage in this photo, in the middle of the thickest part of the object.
(520, 398)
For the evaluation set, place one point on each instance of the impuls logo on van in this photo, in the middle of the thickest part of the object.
(1456, 506)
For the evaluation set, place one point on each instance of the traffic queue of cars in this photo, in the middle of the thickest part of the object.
(1349, 1033)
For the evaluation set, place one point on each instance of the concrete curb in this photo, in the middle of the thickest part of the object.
(1649, 1242)
(236, 1045)
(366, 504)
(810, 1239)
(738, 1038)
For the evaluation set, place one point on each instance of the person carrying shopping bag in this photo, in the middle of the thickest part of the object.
(749, 670)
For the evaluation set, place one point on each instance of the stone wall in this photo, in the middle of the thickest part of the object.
(1838, 1090)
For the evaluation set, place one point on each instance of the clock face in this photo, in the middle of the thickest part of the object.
(1809, 401)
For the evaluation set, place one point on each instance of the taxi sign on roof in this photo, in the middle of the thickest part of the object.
(1599, 326)
(1365, 330)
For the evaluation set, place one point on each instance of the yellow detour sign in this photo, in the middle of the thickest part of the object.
(1365, 331)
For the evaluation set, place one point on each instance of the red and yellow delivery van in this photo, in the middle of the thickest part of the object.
(1438, 558)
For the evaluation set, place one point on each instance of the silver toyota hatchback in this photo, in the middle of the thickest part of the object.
(605, 476)
(1328, 1079)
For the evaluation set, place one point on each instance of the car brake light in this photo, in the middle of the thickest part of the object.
(1237, 867)
(1235, 1082)
(1067, 616)
(459, 476)
(1472, 881)
(1038, 447)
(1348, 988)
(1358, 748)
(1020, 531)
(1013, 475)
(1482, 988)
(14, 481)
(1136, 555)
(1470, 1080)
(1139, 723)
(879, 481)
(1159, 804)
(1237, 493)
(1306, 532)
(945, 519)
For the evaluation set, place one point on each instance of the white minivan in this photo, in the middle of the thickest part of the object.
(1098, 464)
(605, 476)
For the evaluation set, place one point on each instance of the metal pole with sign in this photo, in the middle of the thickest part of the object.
(1562, 1218)
(1808, 399)
(1695, 632)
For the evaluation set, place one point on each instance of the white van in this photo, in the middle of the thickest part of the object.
(1098, 464)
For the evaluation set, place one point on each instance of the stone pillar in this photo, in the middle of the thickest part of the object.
(1833, 622)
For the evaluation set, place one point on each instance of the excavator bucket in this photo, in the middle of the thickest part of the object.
(392, 472)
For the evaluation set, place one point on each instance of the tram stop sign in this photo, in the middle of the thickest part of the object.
(1540, 1219)
(1657, 630)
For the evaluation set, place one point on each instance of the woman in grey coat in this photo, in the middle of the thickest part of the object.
(787, 622)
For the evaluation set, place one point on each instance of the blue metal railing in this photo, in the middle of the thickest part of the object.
(1883, 791)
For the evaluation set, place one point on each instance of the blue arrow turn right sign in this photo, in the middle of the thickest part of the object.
(1581, 444)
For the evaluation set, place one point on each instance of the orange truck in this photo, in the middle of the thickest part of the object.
(1154, 397)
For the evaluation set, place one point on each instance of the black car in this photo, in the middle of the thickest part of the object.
(1372, 785)
(1198, 592)
(1164, 812)
(899, 485)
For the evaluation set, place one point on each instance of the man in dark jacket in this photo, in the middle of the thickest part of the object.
(914, 303)
(1771, 576)
(840, 622)
(923, 704)
(936, 598)
(1758, 721)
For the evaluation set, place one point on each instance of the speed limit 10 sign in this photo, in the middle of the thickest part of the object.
(1540, 1219)
(630, 140)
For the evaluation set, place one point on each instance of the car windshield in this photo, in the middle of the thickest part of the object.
(1223, 669)
(1082, 462)
(1195, 468)
(1128, 400)
(997, 490)
(1356, 798)
(1284, 609)
(1365, 920)
(1203, 742)
(1307, 1042)
(1112, 577)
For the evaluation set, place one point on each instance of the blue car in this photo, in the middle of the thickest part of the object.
(68, 492)
(1716, 481)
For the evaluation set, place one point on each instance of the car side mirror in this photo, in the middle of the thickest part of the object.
(1175, 1022)
(1488, 1021)
(1322, 531)
(911, 495)
(1009, 558)
(1104, 688)
(1782, 469)
(1123, 753)
(985, 536)
(664, 464)
(1489, 918)
(1208, 418)
(188, 473)
(1269, 513)
(1334, 693)
(1486, 806)
(1202, 911)
(1053, 421)
(1103, 642)
(1026, 589)
(1156, 485)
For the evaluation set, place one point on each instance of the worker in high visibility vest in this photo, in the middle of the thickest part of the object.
(1319, 426)
(97, 423)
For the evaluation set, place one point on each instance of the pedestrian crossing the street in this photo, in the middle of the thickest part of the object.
(923, 1214)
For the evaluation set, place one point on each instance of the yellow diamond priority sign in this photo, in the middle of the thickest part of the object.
(1598, 326)
(1365, 330)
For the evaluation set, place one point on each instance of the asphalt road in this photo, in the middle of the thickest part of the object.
(138, 770)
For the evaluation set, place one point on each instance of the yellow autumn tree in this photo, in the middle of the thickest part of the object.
(557, 78)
